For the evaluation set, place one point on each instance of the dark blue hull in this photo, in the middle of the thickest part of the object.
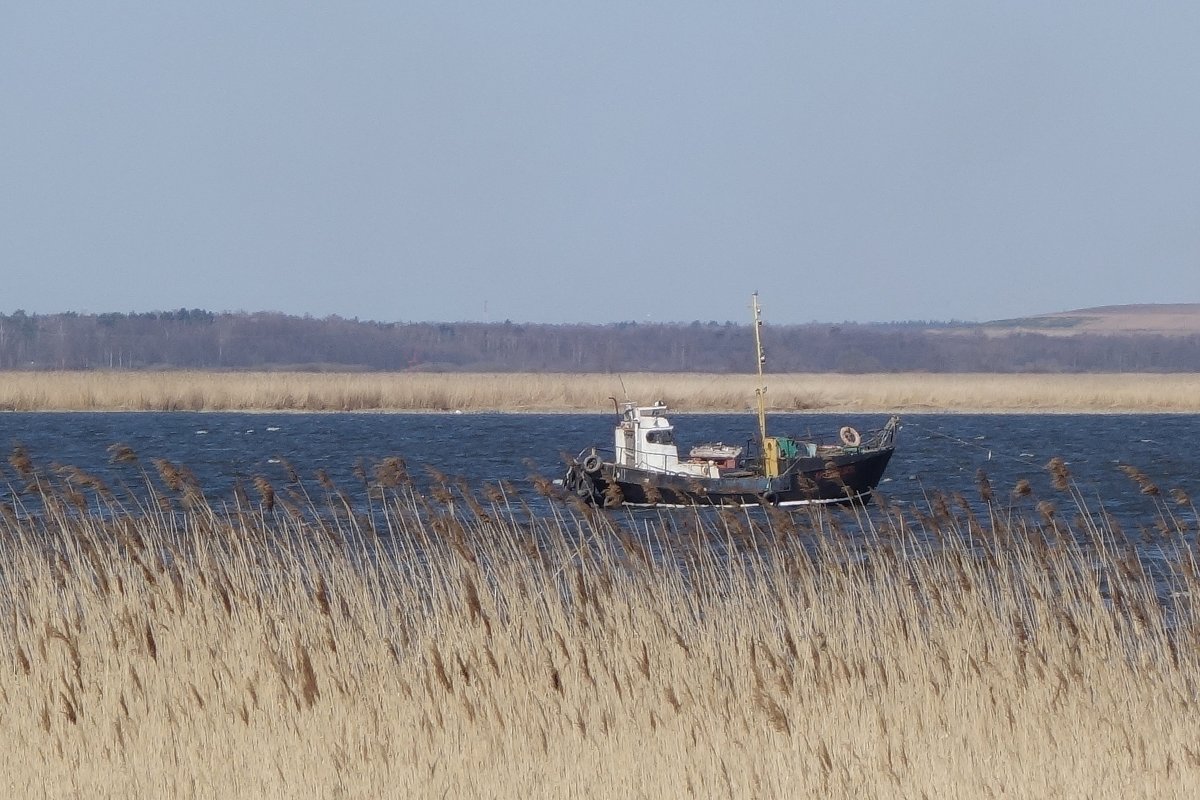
(841, 478)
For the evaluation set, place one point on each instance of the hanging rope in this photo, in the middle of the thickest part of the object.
(933, 432)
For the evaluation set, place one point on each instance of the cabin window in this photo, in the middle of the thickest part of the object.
(660, 437)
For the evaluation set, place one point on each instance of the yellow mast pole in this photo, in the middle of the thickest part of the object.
(770, 448)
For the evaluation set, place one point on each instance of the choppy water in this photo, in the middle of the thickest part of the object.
(936, 451)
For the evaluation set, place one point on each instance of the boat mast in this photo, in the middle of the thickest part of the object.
(770, 448)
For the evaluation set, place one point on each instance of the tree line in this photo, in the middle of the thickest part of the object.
(199, 339)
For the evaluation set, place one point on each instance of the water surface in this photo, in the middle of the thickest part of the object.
(936, 452)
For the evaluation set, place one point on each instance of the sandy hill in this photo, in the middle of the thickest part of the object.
(1173, 319)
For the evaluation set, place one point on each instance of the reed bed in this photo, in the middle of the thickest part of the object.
(315, 391)
(448, 643)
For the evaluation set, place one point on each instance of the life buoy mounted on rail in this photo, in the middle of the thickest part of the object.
(850, 437)
(592, 464)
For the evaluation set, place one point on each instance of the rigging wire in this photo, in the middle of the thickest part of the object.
(991, 452)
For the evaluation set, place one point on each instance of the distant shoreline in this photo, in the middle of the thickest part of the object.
(590, 393)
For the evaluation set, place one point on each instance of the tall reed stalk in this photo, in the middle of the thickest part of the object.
(452, 644)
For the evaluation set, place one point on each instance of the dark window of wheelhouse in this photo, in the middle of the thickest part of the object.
(660, 437)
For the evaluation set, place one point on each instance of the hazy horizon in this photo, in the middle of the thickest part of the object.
(1128, 309)
(866, 162)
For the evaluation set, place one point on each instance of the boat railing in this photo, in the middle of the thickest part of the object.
(885, 436)
(596, 450)
(608, 454)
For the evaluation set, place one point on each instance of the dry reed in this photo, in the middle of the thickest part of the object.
(305, 391)
(451, 645)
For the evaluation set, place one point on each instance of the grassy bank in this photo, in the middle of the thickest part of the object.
(448, 646)
(305, 391)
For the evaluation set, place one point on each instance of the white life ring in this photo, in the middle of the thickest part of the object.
(592, 464)
(850, 437)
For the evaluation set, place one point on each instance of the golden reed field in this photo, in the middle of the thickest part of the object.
(310, 391)
(451, 644)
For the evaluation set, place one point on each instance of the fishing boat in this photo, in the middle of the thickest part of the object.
(644, 466)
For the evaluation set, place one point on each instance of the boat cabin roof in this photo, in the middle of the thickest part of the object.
(631, 410)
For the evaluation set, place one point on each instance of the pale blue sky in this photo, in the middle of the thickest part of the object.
(560, 162)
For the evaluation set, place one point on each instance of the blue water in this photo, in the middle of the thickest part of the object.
(939, 452)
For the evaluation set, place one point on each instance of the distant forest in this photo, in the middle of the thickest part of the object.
(197, 339)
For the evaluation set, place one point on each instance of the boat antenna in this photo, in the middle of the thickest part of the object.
(625, 392)
(769, 446)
